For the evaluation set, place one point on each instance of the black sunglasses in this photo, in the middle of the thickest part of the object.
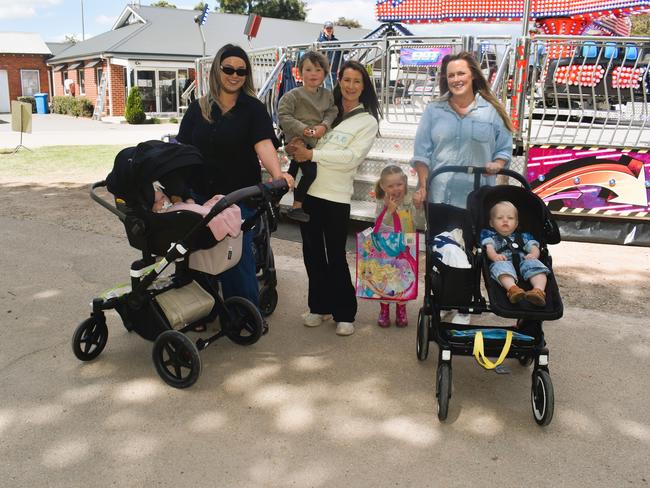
(229, 70)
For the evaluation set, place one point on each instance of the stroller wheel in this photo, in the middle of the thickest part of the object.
(268, 300)
(422, 343)
(443, 389)
(89, 339)
(176, 359)
(542, 397)
(244, 324)
(525, 361)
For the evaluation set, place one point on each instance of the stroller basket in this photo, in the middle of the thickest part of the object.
(459, 284)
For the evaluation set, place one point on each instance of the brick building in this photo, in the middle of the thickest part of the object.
(155, 49)
(23, 71)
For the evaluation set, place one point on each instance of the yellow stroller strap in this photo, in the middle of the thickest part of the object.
(480, 355)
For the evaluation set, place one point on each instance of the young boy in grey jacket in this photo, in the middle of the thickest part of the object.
(307, 112)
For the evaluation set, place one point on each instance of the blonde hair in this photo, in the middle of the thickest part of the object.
(391, 169)
(504, 203)
(207, 101)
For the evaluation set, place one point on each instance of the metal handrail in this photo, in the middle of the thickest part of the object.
(270, 81)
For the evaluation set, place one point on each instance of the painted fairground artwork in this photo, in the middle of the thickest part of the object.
(600, 181)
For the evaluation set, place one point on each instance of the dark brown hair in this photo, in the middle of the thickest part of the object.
(315, 58)
(479, 83)
(368, 95)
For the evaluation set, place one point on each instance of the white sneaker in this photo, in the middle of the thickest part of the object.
(313, 319)
(344, 328)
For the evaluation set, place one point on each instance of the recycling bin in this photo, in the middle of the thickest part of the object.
(41, 103)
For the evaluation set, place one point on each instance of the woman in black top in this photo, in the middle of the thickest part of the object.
(234, 132)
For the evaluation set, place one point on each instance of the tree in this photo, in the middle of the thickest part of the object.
(199, 6)
(71, 38)
(134, 113)
(281, 9)
(162, 3)
(349, 23)
(641, 25)
(235, 7)
(277, 9)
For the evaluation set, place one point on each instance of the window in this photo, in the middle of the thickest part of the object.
(81, 81)
(98, 76)
(30, 82)
(64, 76)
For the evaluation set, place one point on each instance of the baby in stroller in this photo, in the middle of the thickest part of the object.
(513, 254)
(162, 308)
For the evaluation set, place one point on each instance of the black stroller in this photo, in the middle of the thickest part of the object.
(459, 289)
(265, 223)
(162, 308)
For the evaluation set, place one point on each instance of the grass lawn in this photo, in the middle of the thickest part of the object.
(81, 164)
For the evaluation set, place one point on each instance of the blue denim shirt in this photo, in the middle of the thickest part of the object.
(445, 138)
(499, 242)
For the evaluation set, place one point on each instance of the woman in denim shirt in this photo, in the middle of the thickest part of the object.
(466, 126)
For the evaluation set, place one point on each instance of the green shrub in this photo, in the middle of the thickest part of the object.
(60, 104)
(77, 107)
(173, 120)
(134, 112)
(31, 100)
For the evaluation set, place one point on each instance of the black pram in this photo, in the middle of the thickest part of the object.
(458, 289)
(162, 308)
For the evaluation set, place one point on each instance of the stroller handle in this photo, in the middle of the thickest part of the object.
(270, 190)
(477, 170)
(103, 202)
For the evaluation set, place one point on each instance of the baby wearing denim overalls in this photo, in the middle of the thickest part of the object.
(504, 221)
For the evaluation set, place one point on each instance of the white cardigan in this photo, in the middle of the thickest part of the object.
(338, 155)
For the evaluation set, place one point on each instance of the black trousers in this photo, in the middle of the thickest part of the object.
(308, 169)
(323, 248)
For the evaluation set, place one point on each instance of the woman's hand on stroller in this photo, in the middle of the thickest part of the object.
(288, 178)
(493, 167)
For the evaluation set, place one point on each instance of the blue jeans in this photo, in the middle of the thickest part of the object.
(527, 267)
(241, 279)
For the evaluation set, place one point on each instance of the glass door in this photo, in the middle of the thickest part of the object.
(146, 82)
(168, 91)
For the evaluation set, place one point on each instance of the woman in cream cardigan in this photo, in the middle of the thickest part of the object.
(338, 155)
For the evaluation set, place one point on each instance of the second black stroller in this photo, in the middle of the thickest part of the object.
(458, 289)
(163, 307)
(265, 224)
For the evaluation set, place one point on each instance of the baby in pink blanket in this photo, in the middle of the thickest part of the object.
(227, 222)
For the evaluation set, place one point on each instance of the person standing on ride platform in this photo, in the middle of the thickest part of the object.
(334, 57)
(338, 155)
(234, 133)
(465, 126)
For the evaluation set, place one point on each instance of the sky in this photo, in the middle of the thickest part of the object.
(54, 19)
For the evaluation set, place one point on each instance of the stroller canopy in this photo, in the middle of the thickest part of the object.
(136, 168)
(534, 215)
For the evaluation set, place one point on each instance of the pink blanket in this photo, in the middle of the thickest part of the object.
(228, 222)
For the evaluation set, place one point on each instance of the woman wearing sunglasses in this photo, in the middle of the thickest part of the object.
(234, 132)
(338, 155)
